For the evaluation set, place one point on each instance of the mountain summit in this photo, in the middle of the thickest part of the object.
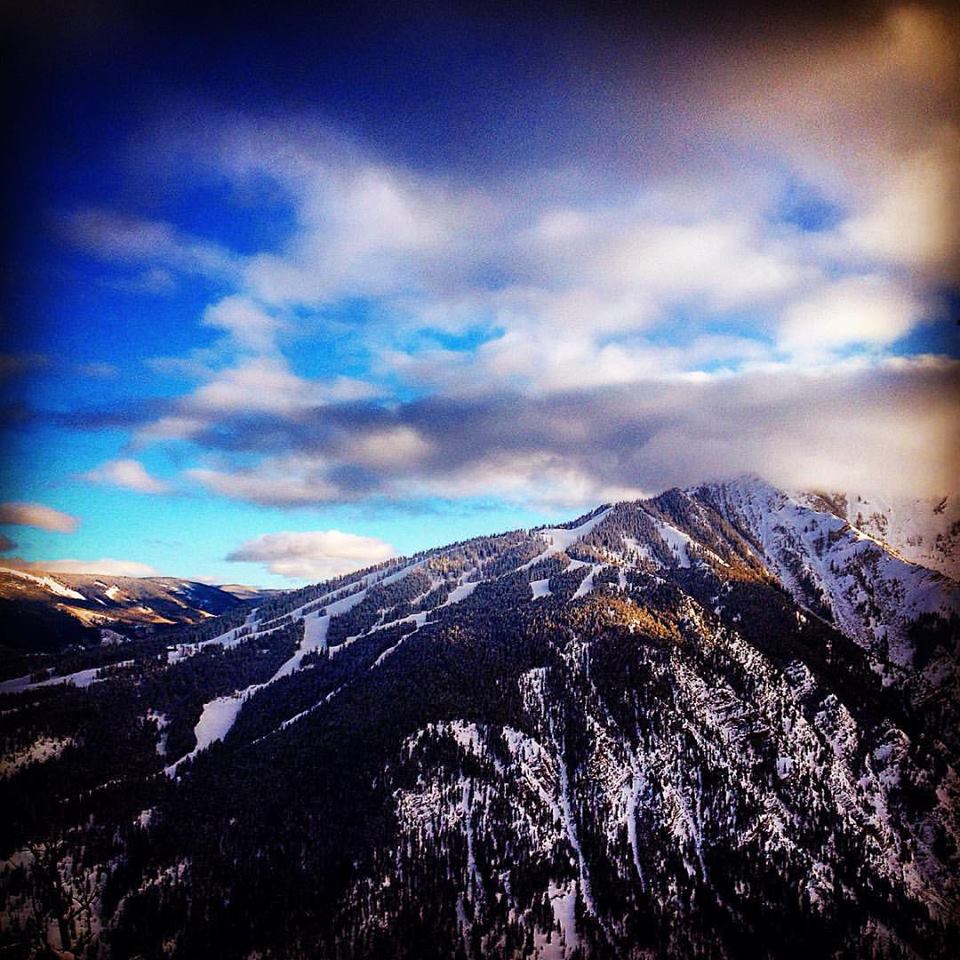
(721, 722)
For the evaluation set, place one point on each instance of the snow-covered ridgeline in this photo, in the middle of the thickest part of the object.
(48, 583)
(852, 572)
(559, 539)
(923, 530)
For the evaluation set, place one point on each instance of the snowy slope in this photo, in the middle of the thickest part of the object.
(923, 530)
(871, 593)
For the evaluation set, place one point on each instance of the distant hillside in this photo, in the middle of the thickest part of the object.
(243, 592)
(45, 612)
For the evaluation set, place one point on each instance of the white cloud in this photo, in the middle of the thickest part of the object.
(366, 229)
(912, 219)
(248, 325)
(37, 515)
(853, 310)
(724, 263)
(129, 474)
(389, 448)
(888, 425)
(651, 330)
(256, 385)
(582, 288)
(168, 428)
(264, 384)
(313, 555)
(538, 479)
(548, 360)
(869, 116)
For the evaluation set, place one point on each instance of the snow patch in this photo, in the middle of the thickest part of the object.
(586, 585)
(540, 588)
(459, 593)
(560, 538)
(215, 721)
(677, 542)
(82, 678)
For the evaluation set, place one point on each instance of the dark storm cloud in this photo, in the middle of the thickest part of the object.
(845, 427)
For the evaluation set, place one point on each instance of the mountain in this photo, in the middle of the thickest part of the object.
(44, 612)
(246, 593)
(722, 722)
(922, 530)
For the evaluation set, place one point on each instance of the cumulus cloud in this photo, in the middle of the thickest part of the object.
(244, 321)
(129, 474)
(275, 481)
(263, 383)
(366, 228)
(583, 282)
(37, 515)
(313, 555)
(655, 257)
(569, 332)
(605, 290)
(869, 112)
(865, 310)
(168, 427)
(255, 387)
(389, 448)
(908, 221)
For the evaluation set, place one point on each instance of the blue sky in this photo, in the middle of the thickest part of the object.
(289, 292)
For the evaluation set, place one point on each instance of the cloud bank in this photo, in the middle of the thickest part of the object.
(893, 427)
(313, 555)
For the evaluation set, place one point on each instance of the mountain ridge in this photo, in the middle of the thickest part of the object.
(43, 612)
(717, 722)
